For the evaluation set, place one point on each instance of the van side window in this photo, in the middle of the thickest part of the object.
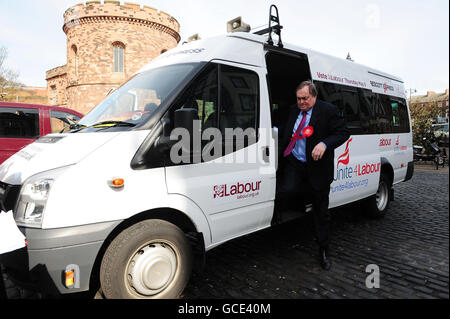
(346, 98)
(366, 112)
(60, 121)
(330, 93)
(225, 97)
(383, 112)
(350, 103)
(400, 118)
(368, 120)
(19, 123)
(203, 96)
(239, 98)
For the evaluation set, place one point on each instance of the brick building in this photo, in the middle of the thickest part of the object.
(106, 43)
(439, 100)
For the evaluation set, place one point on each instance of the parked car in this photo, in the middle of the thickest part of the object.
(22, 124)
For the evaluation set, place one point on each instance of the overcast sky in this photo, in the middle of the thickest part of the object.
(406, 38)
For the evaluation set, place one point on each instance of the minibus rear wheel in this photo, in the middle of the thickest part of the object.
(377, 205)
(149, 260)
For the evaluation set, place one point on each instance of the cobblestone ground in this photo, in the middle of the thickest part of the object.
(410, 246)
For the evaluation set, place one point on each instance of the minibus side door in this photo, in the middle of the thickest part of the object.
(235, 188)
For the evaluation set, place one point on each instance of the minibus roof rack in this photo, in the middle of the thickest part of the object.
(273, 28)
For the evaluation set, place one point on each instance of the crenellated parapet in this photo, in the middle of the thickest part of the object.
(58, 71)
(113, 11)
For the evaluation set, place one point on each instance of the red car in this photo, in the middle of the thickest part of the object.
(22, 124)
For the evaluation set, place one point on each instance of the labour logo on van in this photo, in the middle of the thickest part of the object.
(219, 190)
(345, 157)
(399, 147)
(242, 190)
(349, 173)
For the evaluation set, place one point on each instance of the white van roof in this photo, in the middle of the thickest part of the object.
(324, 67)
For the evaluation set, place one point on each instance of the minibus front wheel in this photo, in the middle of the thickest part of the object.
(149, 260)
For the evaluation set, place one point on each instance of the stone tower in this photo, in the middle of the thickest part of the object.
(106, 43)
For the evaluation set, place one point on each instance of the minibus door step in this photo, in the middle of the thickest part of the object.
(291, 214)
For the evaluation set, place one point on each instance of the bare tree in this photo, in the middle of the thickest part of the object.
(8, 77)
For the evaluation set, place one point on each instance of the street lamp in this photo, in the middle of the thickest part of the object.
(410, 92)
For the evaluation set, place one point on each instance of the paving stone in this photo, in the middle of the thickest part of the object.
(425, 296)
(438, 288)
(416, 281)
(424, 290)
(398, 281)
(437, 282)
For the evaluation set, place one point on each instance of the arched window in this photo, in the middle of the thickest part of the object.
(54, 95)
(119, 50)
(75, 57)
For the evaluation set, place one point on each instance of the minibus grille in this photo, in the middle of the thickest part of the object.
(8, 196)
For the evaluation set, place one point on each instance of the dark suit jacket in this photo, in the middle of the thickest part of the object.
(329, 127)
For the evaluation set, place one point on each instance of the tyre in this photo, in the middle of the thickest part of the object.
(377, 205)
(149, 260)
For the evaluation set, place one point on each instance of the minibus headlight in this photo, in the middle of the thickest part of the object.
(33, 198)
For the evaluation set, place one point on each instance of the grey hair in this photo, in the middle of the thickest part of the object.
(312, 87)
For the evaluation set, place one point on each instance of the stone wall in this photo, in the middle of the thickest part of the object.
(57, 80)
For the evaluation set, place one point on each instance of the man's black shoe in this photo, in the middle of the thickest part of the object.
(325, 260)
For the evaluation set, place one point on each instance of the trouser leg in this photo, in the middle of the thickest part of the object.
(2, 286)
(321, 217)
(289, 184)
(286, 183)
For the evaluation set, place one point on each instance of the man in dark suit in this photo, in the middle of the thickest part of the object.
(308, 162)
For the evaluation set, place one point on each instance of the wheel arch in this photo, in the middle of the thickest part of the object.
(387, 169)
(171, 215)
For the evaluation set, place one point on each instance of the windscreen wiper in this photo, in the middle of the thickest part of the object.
(112, 123)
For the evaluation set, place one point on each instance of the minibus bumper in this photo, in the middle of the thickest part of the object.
(43, 264)
(409, 171)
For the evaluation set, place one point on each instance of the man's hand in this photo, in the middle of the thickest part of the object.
(318, 151)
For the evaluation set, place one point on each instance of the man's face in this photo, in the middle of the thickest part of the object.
(305, 100)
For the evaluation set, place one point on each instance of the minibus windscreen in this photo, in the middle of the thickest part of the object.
(138, 99)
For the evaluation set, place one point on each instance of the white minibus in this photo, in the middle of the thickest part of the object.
(124, 204)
